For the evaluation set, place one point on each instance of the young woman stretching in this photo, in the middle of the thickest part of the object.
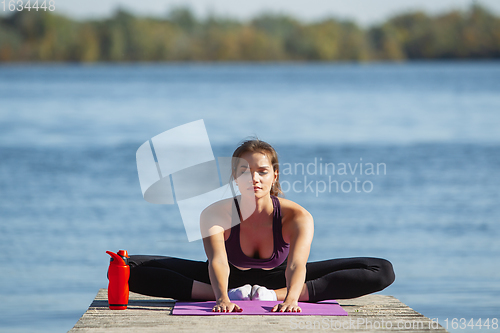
(264, 257)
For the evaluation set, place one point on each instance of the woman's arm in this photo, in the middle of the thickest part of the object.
(299, 228)
(218, 267)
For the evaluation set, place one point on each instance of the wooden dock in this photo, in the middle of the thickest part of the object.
(371, 313)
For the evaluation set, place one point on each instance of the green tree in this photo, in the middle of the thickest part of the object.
(386, 42)
(180, 36)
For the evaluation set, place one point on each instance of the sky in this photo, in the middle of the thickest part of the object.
(364, 12)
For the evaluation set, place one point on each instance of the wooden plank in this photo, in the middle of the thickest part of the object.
(371, 313)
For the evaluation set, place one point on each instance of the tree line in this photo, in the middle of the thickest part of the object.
(181, 36)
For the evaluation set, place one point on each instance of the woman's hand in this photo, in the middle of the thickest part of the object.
(287, 306)
(226, 306)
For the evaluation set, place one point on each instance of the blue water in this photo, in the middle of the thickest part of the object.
(69, 189)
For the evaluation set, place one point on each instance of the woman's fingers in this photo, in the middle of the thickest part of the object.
(219, 308)
(234, 308)
(227, 308)
(286, 308)
(294, 308)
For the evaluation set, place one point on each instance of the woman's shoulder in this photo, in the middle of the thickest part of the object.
(221, 207)
(295, 220)
(291, 209)
(217, 214)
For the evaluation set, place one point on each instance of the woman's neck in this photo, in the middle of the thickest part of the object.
(263, 209)
(264, 205)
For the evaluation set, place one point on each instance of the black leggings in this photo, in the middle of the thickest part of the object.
(329, 279)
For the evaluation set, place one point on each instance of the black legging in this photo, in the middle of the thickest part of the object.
(329, 279)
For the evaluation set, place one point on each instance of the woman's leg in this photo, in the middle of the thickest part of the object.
(330, 279)
(333, 279)
(170, 277)
(303, 297)
(347, 278)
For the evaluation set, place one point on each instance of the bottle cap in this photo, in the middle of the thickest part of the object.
(123, 253)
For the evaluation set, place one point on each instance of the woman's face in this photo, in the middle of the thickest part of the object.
(255, 174)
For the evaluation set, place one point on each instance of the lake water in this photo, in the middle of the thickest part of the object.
(69, 189)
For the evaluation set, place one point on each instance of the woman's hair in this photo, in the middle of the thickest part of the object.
(259, 146)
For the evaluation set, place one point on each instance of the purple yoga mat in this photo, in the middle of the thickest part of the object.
(323, 308)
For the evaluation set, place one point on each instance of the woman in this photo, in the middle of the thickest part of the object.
(264, 257)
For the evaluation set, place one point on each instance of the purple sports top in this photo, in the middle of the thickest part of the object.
(236, 256)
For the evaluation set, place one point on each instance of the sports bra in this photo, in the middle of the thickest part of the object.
(236, 256)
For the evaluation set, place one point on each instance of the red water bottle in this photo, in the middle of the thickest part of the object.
(118, 274)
